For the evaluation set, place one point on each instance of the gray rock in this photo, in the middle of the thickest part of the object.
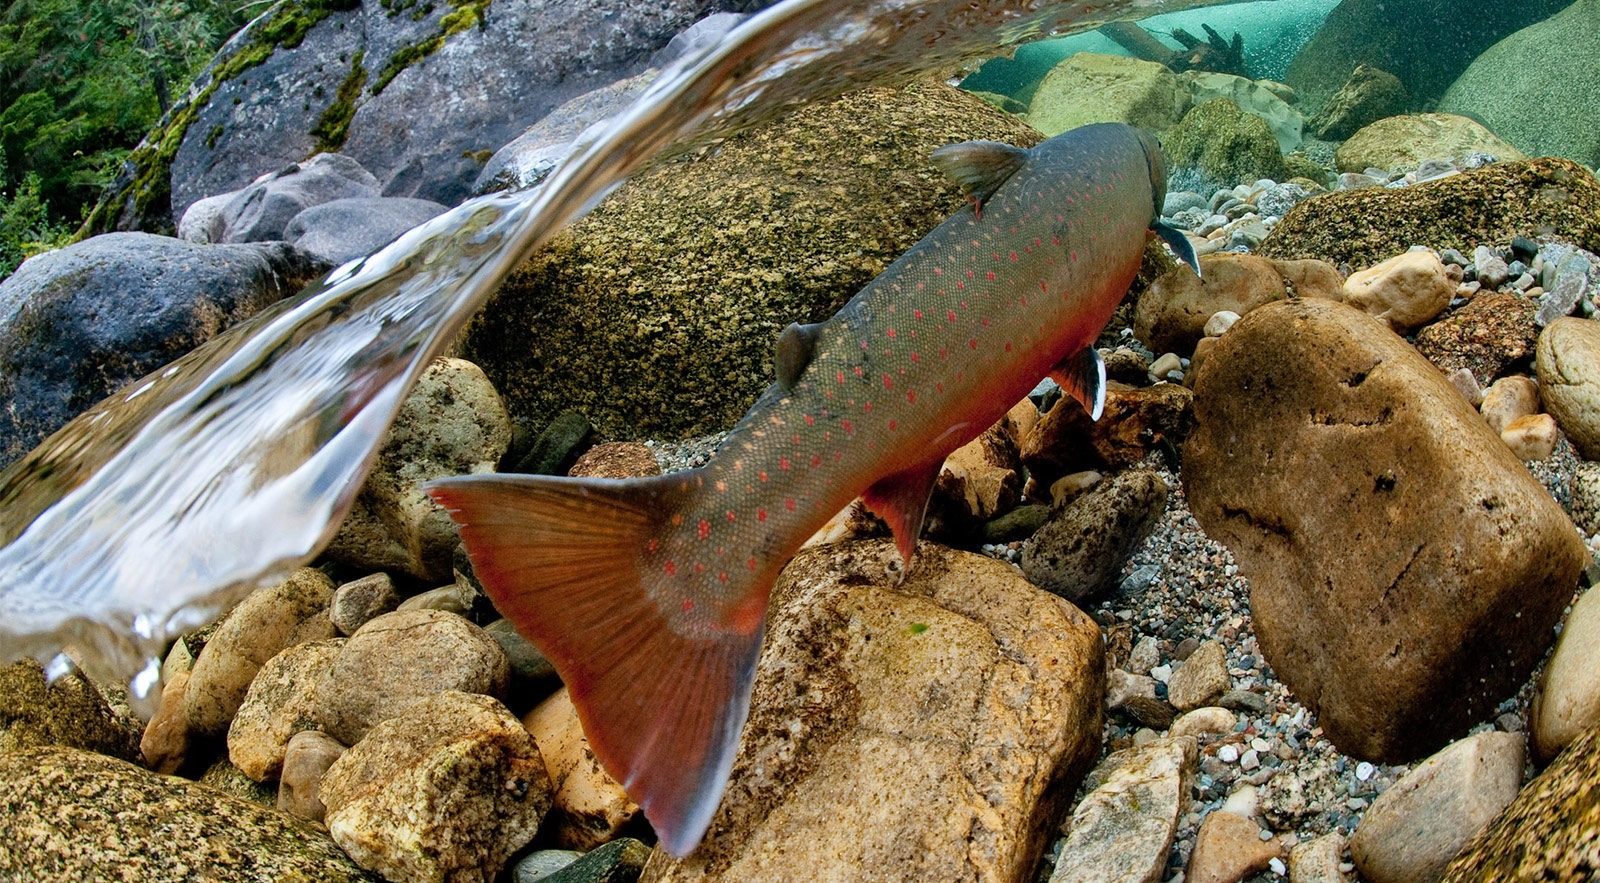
(357, 602)
(80, 322)
(1415, 828)
(1180, 201)
(1136, 695)
(532, 156)
(540, 864)
(1123, 829)
(455, 598)
(1571, 276)
(1201, 679)
(620, 861)
(262, 210)
(400, 659)
(1489, 268)
(346, 229)
(1367, 96)
(532, 675)
(446, 791)
(74, 815)
(306, 760)
(1080, 551)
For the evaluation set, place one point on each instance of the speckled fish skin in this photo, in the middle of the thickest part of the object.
(649, 595)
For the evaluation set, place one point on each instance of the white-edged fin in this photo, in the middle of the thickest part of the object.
(1179, 242)
(980, 167)
(792, 355)
(1083, 376)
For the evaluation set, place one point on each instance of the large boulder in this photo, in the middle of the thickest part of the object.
(929, 729)
(1389, 535)
(1550, 197)
(1223, 143)
(1426, 43)
(78, 323)
(1090, 88)
(692, 268)
(420, 94)
(1368, 96)
(73, 815)
(1254, 98)
(1536, 87)
(1400, 143)
(260, 211)
(345, 229)
(1171, 315)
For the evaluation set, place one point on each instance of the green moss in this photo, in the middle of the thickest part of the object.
(465, 14)
(1224, 142)
(213, 136)
(334, 124)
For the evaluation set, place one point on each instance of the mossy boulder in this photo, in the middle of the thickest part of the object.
(1401, 143)
(1359, 228)
(69, 712)
(1537, 87)
(656, 315)
(1091, 88)
(1224, 144)
(74, 815)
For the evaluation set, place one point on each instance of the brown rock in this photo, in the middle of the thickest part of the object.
(1551, 832)
(1487, 337)
(1212, 720)
(979, 481)
(1229, 848)
(1171, 316)
(70, 712)
(165, 742)
(447, 791)
(268, 620)
(616, 460)
(1317, 860)
(588, 806)
(1124, 828)
(1568, 700)
(400, 659)
(1358, 228)
(1201, 679)
(1407, 290)
(1080, 551)
(1135, 422)
(1568, 359)
(359, 601)
(282, 701)
(1388, 535)
(928, 729)
(1135, 695)
(1508, 399)
(306, 760)
(1413, 829)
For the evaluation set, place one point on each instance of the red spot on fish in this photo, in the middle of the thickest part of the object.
(1073, 256)
(688, 605)
(911, 394)
(1044, 288)
(788, 503)
(722, 576)
(816, 460)
(972, 343)
(984, 321)
(859, 372)
(938, 271)
(705, 528)
(867, 407)
(951, 315)
(916, 357)
(847, 426)
(761, 515)
(671, 567)
(917, 313)
(888, 382)
(1008, 346)
(677, 520)
(750, 563)
(722, 487)
(783, 463)
(840, 375)
(762, 475)
(652, 546)
(939, 386)
(794, 439)
(989, 275)
(889, 333)
(969, 274)
(893, 425)
(1013, 255)
(961, 285)
(699, 567)
(732, 517)
(810, 420)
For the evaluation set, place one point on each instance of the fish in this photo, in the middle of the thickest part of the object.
(649, 595)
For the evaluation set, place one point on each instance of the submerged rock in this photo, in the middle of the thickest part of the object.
(1081, 549)
(1568, 360)
(1092, 88)
(1568, 699)
(1361, 227)
(1488, 337)
(929, 729)
(1123, 829)
(69, 712)
(588, 807)
(1407, 291)
(73, 815)
(1171, 315)
(1399, 143)
(262, 210)
(1369, 95)
(1389, 535)
(695, 266)
(1224, 143)
(281, 702)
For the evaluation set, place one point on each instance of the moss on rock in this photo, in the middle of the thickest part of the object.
(1484, 206)
(1224, 143)
(656, 314)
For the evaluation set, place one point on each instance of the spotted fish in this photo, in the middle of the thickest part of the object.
(649, 594)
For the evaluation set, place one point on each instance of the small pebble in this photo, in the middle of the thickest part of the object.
(1364, 770)
(1228, 753)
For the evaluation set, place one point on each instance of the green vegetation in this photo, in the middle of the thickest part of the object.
(464, 14)
(334, 124)
(81, 81)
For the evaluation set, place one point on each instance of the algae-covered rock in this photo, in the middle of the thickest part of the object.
(1399, 143)
(74, 815)
(1254, 97)
(656, 314)
(1369, 95)
(1553, 197)
(69, 712)
(1091, 88)
(1225, 144)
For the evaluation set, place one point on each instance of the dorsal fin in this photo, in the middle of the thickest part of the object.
(980, 167)
(796, 345)
(1083, 376)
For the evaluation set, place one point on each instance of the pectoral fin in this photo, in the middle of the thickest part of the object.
(901, 500)
(1083, 376)
(796, 345)
(1179, 243)
(980, 167)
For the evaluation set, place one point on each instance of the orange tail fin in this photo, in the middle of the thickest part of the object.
(663, 705)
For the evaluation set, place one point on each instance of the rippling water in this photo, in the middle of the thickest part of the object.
(156, 510)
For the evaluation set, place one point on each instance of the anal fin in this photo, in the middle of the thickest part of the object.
(1082, 375)
(901, 500)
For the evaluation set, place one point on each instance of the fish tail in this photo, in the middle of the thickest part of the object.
(662, 698)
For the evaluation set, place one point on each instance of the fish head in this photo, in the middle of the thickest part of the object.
(1157, 163)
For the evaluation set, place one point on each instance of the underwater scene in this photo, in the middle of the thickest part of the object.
(685, 440)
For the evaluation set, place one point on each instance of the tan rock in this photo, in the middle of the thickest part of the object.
(1135, 422)
(1568, 363)
(282, 701)
(69, 711)
(165, 743)
(616, 460)
(1413, 829)
(1508, 399)
(1346, 429)
(1568, 700)
(1123, 829)
(928, 729)
(1092, 88)
(1171, 316)
(1467, 385)
(1068, 487)
(1212, 720)
(449, 790)
(359, 601)
(306, 760)
(1201, 679)
(1220, 322)
(452, 423)
(1585, 507)
(588, 806)
(1407, 291)
(1080, 550)
(268, 620)
(1533, 437)
(400, 659)
(1317, 860)
(1398, 143)
(1228, 848)
(456, 598)
(980, 480)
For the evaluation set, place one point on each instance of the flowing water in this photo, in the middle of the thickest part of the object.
(159, 508)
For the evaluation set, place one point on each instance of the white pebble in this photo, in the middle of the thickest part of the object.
(1220, 322)
(1228, 753)
(1250, 760)
(1364, 771)
(1162, 672)
(1278, 867)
